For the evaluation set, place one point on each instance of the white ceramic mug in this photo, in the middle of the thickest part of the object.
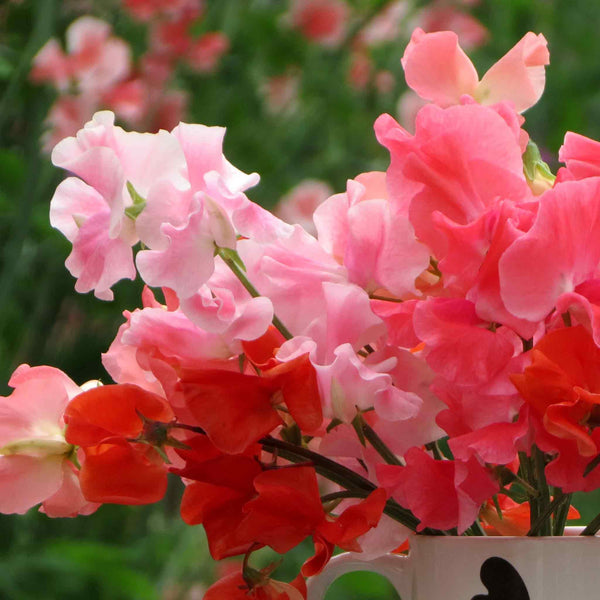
(482, 568)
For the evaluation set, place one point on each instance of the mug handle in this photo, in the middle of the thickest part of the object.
(396, 568)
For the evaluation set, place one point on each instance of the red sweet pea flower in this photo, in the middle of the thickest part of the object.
(288, 509)
(104, 421)
(562, 385)
(236, 410)
(235, 587)
(221, 486)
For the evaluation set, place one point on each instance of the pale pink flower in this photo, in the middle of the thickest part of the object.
(34, 456)
(281, 92)
(181, 224)
(321, 21)
(386, 25)
(437, 69)
(94, 61)
(299, 204)
(91, 211)
(373, 240)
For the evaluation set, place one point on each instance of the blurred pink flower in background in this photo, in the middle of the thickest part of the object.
(299, 204)
(281, 92)
(321, 21)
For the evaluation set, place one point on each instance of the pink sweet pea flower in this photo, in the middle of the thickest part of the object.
(438, 70)
(299, 204)
(551, 260)
(206, 52)
(375, 242)
(34, 455)
(443, 494)
(91, 211)
(581, 156)
(94, 61)
(321, 21)
(448, 173)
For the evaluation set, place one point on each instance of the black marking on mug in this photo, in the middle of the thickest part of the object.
(502, 581)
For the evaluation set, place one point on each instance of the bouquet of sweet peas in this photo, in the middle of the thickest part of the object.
(428, 363)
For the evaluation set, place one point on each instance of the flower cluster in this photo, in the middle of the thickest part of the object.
(97, 70)
(428, 362)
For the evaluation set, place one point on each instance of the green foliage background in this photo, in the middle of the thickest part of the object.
(147, 553)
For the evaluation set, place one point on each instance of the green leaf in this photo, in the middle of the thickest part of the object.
(139, 202)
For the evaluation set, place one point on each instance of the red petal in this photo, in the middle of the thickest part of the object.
(234, 409)
(110, 410)
(123, 473)
(298, 382)
(287, 509)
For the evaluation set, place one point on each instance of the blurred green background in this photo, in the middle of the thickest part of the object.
(148, 553)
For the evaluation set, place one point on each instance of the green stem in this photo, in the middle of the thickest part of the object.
(539, 464)
(233, 261)
(379, 445)
(339, 474)
(561, 513)
(543, 518)
(342, 495)
(593, 526)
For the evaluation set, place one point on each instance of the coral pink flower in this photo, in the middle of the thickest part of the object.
(443, 494)
(34, 455)
(438, 70)
(549, 261)
(581, 156)
(321, 21)
(428, 171)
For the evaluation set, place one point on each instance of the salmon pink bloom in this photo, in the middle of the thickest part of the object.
(35, 462)
(442, 493)
(438, 70)
(119, 464)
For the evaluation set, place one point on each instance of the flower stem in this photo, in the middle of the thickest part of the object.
(232, 259)
(341, 475)
(379, 445)
(593, 526)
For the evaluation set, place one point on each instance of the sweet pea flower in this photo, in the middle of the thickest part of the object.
(35, 458)
(95, 60)
(375, 242)
(437, 69)
(299, 204)
(321, 21)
